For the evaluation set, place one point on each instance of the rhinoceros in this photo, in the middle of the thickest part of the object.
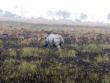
(54, 40)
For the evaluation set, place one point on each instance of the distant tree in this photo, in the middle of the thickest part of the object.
(77, 20)
(108, 16)
(32, 17)
(62, 14)
(9, 14)
(83, 16)
(1, 12)
(42, 18)
(51, 14)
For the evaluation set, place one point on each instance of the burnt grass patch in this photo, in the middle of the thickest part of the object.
(81, 68)
(80, 63)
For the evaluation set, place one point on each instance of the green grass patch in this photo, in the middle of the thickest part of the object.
(102, 58)
(93, 48)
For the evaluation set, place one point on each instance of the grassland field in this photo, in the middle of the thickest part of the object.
(84, 59)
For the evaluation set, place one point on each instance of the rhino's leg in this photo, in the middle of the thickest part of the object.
(46, 44)
(58, 47)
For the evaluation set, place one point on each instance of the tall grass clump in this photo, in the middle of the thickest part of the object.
(46, 52)
(1, 43)
(93, 48)
(28, 52)
(102, 58)
(25, 73)
(8, 69)
(12, 52)
(66, 53)
(26, 68)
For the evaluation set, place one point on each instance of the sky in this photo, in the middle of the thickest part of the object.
(96, 10)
